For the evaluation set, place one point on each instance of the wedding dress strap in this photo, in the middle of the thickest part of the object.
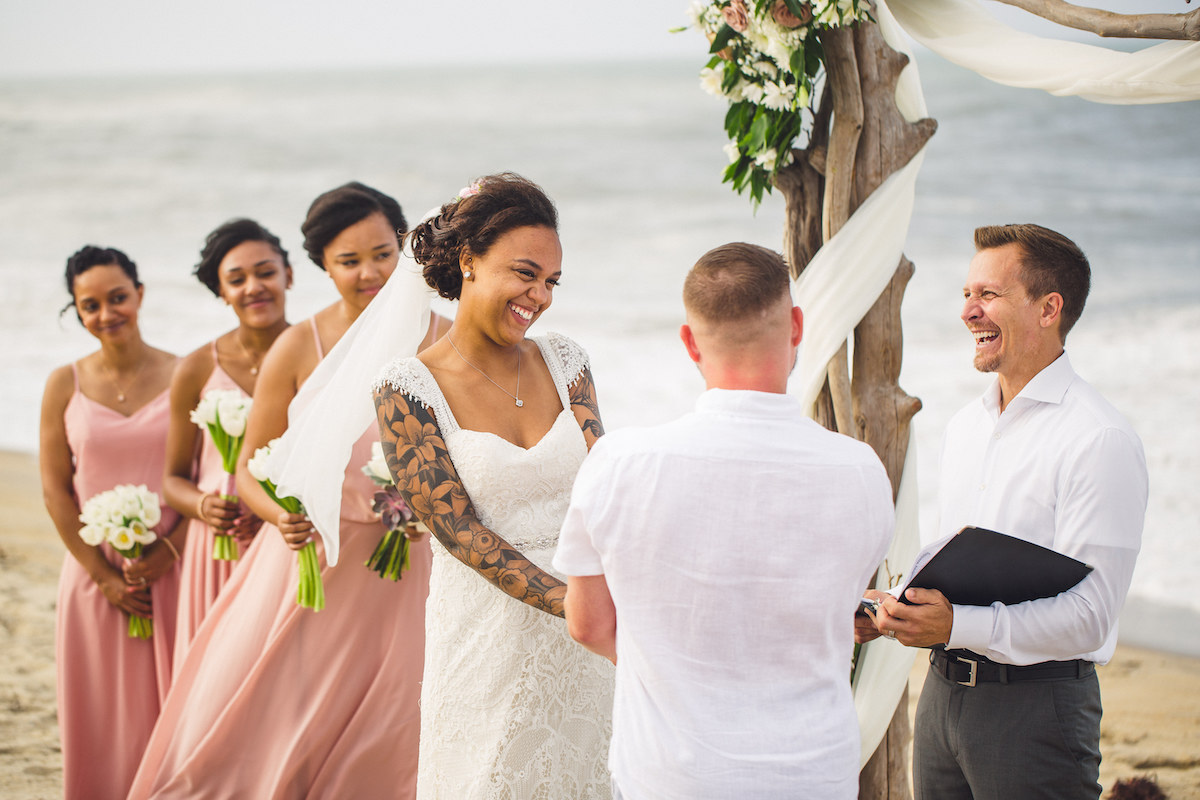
(566, 361)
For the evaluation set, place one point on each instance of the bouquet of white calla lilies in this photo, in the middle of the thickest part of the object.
(223, 413)
(310, 592)
(124, 516)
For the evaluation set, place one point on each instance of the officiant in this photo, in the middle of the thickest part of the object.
(1011, 706)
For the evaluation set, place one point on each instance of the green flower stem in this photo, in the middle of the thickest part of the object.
(225, 546)
(310, 591)
(140, 627)
(391, 557)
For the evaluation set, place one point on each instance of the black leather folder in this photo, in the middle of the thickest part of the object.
(979, 567)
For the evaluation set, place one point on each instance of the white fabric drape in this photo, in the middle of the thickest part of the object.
(837, 287)
(334, 407)
(962, 31)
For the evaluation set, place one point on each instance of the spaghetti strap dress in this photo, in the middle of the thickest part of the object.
(111, 686)
(203, 576)
(255, 713)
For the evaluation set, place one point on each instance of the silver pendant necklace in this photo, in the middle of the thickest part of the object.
(519, 402)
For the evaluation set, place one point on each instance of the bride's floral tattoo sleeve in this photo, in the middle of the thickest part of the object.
(585, 407)
(420, 462)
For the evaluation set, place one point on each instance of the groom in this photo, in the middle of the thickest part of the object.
(721, 556)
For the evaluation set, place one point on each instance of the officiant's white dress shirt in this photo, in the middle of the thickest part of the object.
(735, 542)
(1063, 469)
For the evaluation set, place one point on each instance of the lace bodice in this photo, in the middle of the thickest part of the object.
(511, 707)
(522, 494)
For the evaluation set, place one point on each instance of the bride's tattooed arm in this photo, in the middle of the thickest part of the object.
(585, 407)
(425, 475)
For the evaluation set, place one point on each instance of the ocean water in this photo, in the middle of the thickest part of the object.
(632, 155)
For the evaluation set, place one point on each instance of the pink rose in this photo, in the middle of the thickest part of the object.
(786, 19)
(736, 16)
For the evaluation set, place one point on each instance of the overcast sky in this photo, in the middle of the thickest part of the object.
(72, 37)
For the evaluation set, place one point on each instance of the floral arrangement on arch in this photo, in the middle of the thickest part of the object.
(765, 57)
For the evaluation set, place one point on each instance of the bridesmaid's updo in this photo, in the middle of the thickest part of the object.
(228, 236)
(472, 222)
(90, 256)
(338, 209)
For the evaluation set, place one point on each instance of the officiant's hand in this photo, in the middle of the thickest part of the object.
(296, 529)
(926, 622)
(865, 629)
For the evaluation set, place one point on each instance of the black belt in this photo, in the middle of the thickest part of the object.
(967, 669)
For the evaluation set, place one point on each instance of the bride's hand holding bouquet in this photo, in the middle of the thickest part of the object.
(297, 531)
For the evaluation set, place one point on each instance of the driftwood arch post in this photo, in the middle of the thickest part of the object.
(859, 139)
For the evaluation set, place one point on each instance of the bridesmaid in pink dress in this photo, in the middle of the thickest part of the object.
(104, 423)
(278, 701)
(245, 265)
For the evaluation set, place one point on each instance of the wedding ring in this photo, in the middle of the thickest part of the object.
(890, 634)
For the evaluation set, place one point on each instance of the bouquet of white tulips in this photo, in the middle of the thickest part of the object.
(223, 413)
(124, 516)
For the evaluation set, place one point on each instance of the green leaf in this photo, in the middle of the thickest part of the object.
(722, 38)
(814, 57)
(796, 62)
(758, 131)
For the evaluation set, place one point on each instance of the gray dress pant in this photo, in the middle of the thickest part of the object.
(1027, 740)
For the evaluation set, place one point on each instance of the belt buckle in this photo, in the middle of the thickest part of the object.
(970, 681)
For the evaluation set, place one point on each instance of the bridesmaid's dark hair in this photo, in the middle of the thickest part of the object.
(338, 209)
(90, 256)
(226, 237)
(492, 206)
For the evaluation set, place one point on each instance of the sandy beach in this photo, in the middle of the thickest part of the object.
(1152, 700)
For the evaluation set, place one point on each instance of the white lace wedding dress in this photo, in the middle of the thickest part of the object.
(511, 707)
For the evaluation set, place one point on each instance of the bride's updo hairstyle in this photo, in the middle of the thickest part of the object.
(338, 209)
(472, 222)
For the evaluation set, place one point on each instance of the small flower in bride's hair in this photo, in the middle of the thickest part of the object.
(469, 191)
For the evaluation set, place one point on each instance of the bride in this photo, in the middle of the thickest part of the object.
(484, 432)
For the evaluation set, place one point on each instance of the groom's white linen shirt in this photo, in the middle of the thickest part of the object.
(735, 542)
(1060, 467)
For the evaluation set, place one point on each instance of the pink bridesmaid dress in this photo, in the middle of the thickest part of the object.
(278, 701)
(203, 577)
(110, 686)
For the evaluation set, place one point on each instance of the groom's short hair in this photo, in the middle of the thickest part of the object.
(735, 282)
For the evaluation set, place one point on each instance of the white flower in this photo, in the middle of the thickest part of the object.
(140, 533)
(695, 13)
(121, 538)
(710, 81)
(205, 412)
(731, 150)
(778, 96)
(376, 468)
(767, 158)
(92, 534)
(751, 91)
(257, 465)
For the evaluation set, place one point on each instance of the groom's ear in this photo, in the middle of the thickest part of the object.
(689, 342)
